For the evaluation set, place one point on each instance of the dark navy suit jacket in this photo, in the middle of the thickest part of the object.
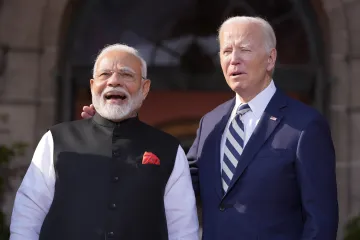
(284, 187)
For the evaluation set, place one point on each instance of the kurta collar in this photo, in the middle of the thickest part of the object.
(108, 123)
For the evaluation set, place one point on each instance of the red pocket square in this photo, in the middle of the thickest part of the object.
(150, 158)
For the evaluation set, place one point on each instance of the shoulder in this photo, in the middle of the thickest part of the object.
(70, 125)
(303, 114)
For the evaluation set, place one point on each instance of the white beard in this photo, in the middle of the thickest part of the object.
(116, 112)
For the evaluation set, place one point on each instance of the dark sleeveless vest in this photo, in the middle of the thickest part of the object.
(102, 189)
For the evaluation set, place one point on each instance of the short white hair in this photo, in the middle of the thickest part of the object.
(122, 48)
(270, 38)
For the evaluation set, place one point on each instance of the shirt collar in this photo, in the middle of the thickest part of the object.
(260, 101)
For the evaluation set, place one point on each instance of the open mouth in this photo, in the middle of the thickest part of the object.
(115, 96)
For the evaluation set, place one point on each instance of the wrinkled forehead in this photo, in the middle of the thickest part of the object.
(117, 61)
(240, 34)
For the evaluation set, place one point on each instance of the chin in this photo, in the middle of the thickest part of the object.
(114, 111)
(238, 87)
(115, 115)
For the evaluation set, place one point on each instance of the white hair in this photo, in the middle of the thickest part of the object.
(122, 48)
(270, 38)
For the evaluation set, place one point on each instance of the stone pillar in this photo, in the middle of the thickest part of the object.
(19, 103)
(353, 14)
(344, 17)
(30, 29)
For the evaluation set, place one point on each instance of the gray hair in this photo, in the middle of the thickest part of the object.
(123, 48)
(270, 38)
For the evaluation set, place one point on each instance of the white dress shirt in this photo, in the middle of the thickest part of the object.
(250, 118)
(36, 192)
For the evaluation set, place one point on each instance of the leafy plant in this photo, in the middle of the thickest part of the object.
(352, 229)
(7, 153)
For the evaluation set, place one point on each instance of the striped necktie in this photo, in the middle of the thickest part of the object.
(233, 146)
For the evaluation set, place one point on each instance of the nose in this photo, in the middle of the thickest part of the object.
(115, 80)
(235, 58)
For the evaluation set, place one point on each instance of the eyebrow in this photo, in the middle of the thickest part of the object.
(127, 69)
(245, 45)
(124, 69)
(240, 45)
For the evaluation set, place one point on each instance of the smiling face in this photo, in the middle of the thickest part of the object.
(118, 89)
(245, 61)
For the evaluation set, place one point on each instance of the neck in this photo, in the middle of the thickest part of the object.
(246, 96)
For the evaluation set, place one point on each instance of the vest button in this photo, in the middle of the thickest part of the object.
(110, 234)
(113, 206)
(115, 179)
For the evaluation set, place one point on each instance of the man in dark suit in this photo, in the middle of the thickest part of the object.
(263, 163)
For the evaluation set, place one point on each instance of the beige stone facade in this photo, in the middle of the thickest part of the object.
(34, 30)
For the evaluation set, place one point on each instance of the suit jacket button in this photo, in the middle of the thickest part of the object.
(222, 208)
(110, 234)
(115, 179)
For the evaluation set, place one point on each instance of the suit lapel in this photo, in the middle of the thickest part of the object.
(225, 112)
(270, 119)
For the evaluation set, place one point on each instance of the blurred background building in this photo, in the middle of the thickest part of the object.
(48, 47)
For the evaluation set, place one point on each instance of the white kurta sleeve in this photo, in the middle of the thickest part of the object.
(180, 204)
(35, 194)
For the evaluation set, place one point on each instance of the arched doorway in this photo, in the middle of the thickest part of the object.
(179, 43)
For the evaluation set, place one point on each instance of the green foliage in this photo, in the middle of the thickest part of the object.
(7, 153)
(352, 229)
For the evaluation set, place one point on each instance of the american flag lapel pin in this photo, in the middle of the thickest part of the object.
(273, 118)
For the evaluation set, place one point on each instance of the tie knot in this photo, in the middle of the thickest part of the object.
(243, 108)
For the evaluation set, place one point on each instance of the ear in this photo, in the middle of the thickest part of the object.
(271, 60)
(91, 83)
(146, 87)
